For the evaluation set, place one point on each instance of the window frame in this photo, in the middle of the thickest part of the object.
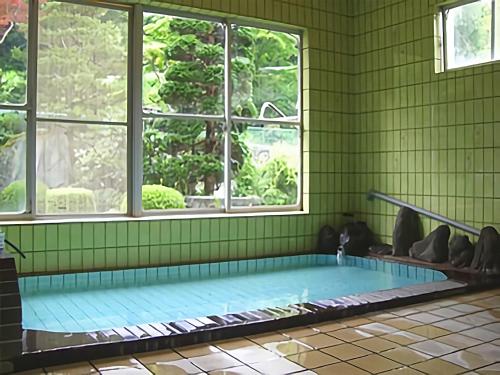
(136, 115)
(442, 47)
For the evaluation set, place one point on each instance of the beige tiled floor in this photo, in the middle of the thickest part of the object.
(459, 335)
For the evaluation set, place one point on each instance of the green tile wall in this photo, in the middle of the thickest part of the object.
(328, 120)
(431, 139)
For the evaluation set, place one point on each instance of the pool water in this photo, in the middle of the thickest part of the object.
(94, 301)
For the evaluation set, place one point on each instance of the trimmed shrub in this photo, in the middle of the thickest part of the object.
(70, 200)
(12, 198)
(158, 197)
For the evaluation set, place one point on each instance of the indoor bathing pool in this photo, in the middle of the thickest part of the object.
(87, 302)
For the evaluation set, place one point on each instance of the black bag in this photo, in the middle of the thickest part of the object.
(356, 238)
(328, 240)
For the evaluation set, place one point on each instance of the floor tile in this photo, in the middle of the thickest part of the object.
(176, 367)
(433, 348)
(481, 333)
(495, 327)
(404, 311)
(467, 359)
(403, 337)
(452, 325)
(480, 318)
(489, 370)
(341, 368)
(491, 302)
(374, 363)
(215, 361)
(79, 368)
(265, 338)
(296, 333)
(197, 350)
(354, 322)
(329, 326)
(446, 312)
(118, 363)
(376, 344)
(458, 341)
(425, 317)
(289, 347)
(466, 308)
(345, 352)
(380, 317)
(252, 354)
(427, 306)
(377, 329)
(234, 344)
(438, 366)
(406, 356)
(313, 359)
(429, 331)
(240, 370)
(350, 334)
(280, 366)
(402, 371)
(402, 323)
(39, 371)
(320, 341)
(159, 356)
(487, 351)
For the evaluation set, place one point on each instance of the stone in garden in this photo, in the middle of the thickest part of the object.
(487, 251)
(461, 251)
(407, 230)
(434, 247)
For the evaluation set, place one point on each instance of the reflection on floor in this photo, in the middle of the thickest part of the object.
(459, 335)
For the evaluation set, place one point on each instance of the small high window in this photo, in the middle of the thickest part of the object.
(469, 34)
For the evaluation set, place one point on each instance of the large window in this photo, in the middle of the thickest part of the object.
(469, 33)
(209, 119)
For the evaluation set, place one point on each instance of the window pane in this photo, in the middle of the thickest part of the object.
(497, 30)
(265, 73)
(81, 168)
(183, 65)
(12, 161)
(267, 167)
(82, 62)
(468, 34)
(188, 158)
(13, 51)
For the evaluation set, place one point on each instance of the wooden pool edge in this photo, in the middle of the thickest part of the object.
(43, 349)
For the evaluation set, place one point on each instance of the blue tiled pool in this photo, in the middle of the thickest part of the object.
(87, 302)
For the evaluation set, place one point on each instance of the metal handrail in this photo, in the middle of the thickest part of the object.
(18, 250)
(372, 194)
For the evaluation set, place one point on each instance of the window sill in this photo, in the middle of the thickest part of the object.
(122, 218)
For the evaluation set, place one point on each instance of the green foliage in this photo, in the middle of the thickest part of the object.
(100, 162)
(82, 71)
(472, 31)
(278, 183)
(246, 180)
(13, 63)
(158, 197)
(13, 196)
(12, 126)
(275, 183)
(70, 200)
